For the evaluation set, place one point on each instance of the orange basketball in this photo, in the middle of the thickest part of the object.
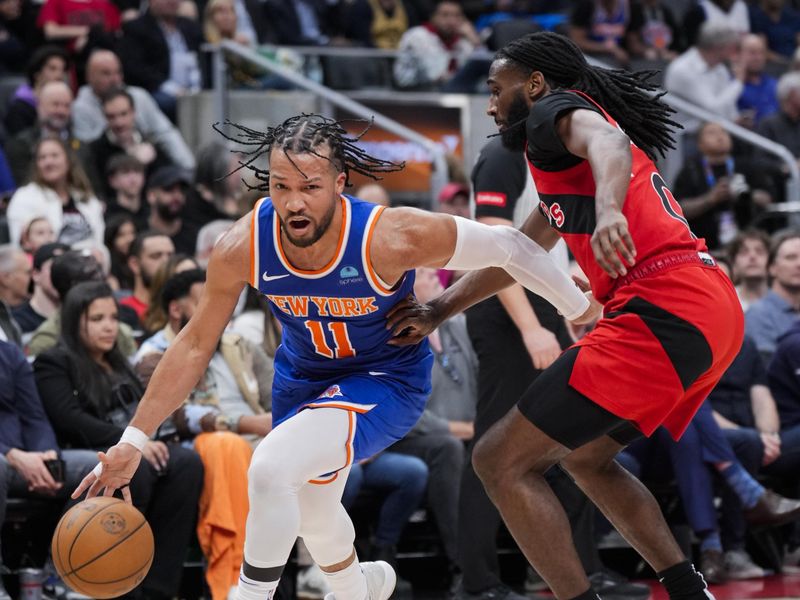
(102, 547)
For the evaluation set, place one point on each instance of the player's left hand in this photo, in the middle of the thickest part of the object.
(612, 243)
(411, 322)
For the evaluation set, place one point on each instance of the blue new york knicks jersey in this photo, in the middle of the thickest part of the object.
(334, 325)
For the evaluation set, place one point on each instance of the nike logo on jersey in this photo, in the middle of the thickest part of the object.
(269, 278)
(376, 373)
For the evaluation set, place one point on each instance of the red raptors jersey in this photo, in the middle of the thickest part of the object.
(655, 220)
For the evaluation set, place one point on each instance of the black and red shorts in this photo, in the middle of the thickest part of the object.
(663, 344)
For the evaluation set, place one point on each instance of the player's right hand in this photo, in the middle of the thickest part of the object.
(114, 472)
(411, 321)
(612, 243)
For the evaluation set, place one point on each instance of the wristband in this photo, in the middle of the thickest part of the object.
(135, 437)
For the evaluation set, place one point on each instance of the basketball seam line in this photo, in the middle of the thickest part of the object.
(104, 552)
(91, 582)
(80, 531)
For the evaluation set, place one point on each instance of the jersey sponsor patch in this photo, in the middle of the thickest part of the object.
(491, 198)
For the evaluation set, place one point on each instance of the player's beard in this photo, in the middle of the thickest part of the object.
(319, 230)
(515, 135)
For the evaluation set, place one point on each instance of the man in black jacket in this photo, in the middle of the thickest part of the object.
(160, 52)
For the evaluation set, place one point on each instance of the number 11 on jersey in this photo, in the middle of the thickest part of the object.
(342, 348)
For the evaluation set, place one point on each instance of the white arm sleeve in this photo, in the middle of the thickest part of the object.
(479, 246)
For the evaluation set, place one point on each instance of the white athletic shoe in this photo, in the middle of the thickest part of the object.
(312, 584)
(381, 580)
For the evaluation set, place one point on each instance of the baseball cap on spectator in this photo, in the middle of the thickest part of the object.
(46, 252)
(72, 268)
(165, 177)
(451, 190)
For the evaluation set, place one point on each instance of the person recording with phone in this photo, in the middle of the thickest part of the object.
(31, 463)
(90, 392)
(721, 193)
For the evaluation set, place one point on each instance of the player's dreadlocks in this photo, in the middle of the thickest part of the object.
(630, 98)
(304, 134)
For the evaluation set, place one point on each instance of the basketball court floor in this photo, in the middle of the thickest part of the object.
(775, 587)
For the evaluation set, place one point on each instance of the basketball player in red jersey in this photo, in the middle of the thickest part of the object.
(671, 326)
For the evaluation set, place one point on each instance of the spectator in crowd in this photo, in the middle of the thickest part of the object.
(68, 270)
(401, 480)
(53, 121)
(784, 381)
(604, 28)
(207, 238)
(702, 450)
(759, 97)
(159, 52)
(73, 22)
(747, 413)
(9, 263)
(720, 193)
(784, 126)
(301, 22)
(728, 13)
(122, 137)
(434, 55)
(90, 392)
(46, 64)
(103, 74)
(700, 76)
(773, 315)
(217, 186)
(221, 22)
(454, 200)
(155, 317)
(125, 177)
(378, 23)
(148, 251)
(120, 233)
(233, 396)
(166, 195)
(19, 35)
(778, 23)
(661, 36)
(60, 191)
(15, 276)
(43, 303)
(31, 463)
(375, 193)
(37, 232)
(747, 254)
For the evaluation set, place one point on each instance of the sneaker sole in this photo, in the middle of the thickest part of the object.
(389, 582)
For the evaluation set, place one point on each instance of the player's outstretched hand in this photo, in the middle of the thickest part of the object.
(114, 472)
(612, 243)
(411, 321)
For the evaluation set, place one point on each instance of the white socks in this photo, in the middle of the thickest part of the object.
(349, 583)
(250, 589)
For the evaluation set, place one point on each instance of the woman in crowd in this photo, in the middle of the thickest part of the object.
(156, 318)
(59, 190)
(120, 233)
(90, 392)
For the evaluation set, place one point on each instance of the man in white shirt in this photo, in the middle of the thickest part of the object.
(104, 73)
(700, 75)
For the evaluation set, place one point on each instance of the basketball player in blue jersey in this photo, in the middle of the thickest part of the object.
(332, 266)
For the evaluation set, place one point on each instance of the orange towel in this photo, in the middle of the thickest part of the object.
(223, 507)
